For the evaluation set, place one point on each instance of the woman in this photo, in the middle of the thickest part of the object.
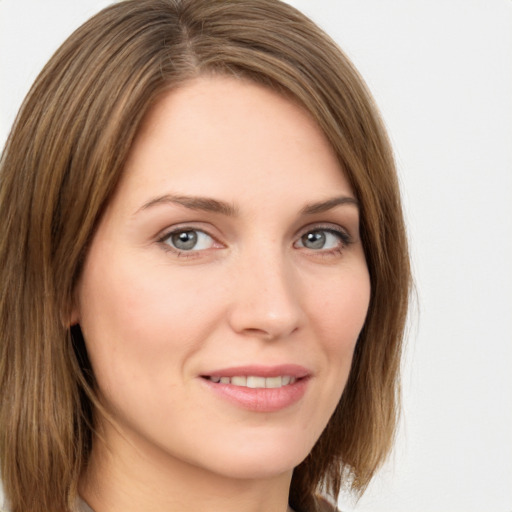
(204, 267)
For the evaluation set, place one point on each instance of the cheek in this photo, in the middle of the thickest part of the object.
(140, 317)
(340, 311)
(337, 312)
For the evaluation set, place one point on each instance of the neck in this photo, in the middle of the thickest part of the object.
(126, 478)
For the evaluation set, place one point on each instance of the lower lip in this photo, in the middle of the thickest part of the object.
(260, 399)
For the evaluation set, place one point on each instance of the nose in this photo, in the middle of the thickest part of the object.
(266, 300)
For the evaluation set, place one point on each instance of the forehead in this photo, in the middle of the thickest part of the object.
(226, 137)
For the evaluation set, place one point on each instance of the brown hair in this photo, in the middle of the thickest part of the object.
(61, 163)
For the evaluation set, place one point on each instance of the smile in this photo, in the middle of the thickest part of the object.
(259, 388)
(255, 382)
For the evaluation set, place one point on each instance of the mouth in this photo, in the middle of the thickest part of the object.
(260, 388)
(254, 381)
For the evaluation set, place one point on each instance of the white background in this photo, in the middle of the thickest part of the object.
(441, 71)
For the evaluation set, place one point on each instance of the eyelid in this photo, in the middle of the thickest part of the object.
(183, 228)
(344, 235)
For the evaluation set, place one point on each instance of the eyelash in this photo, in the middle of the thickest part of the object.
(182, 253)
(343, 236)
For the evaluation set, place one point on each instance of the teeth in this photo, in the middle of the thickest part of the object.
(240, 381)
(255, 382)
(273, 382)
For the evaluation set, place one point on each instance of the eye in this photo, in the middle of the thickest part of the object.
(322, 239)
(188, 240)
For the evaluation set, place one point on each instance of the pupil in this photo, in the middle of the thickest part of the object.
(185, 240)
(314, 240)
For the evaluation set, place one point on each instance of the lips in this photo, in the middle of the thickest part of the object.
(259, 388)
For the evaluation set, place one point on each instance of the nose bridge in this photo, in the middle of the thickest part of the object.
(266, 303)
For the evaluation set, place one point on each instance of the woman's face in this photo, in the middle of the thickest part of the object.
(226, 285)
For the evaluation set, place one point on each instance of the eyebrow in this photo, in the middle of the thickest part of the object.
(329, 204)
(209, 204)
(206, 204)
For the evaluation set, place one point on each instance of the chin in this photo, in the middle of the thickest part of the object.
(260, 459)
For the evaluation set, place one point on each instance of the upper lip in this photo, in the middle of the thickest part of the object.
(292, 370)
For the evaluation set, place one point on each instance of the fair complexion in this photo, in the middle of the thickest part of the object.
(230, 249)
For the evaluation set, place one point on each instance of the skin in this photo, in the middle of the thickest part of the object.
(253, 290)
